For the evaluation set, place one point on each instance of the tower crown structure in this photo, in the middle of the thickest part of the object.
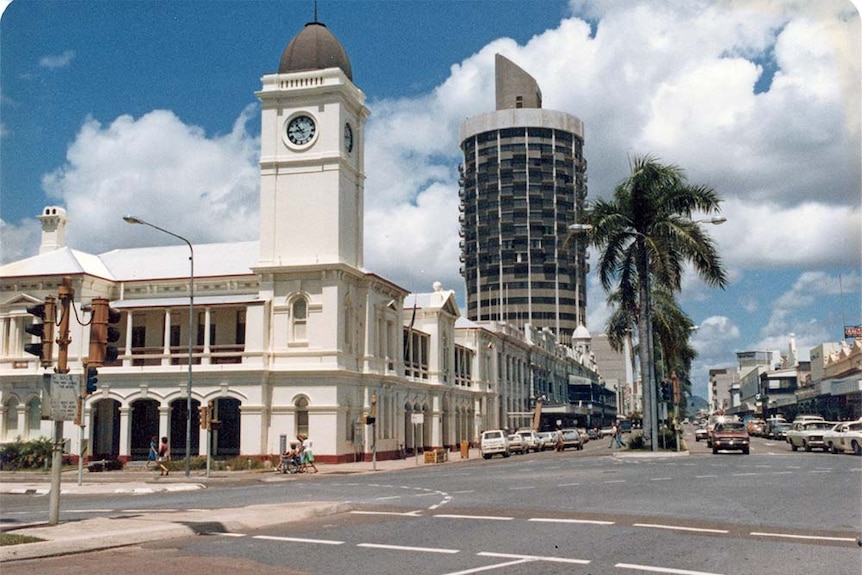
(312, 156)
(523, 183)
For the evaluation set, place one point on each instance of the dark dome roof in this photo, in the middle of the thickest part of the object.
(314, 48)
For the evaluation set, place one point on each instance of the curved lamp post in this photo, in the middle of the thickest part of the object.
(134, 220)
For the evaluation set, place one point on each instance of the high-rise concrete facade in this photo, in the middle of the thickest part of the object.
(523, 183)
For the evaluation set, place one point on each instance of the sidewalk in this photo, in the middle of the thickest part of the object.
(104, 533)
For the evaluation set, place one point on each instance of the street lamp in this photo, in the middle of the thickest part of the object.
(134, 220)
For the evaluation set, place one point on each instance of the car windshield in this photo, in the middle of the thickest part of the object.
(818, 425)
(731, 426)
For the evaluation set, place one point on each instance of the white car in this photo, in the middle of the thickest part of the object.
(845, 436)
(532, 440)
(517, 444)
(494, 441)
(549, 438)
(808, 434)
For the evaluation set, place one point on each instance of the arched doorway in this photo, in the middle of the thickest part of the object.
(178, 427)
(144, 425)
(226, 439)
(105, 418)
(10, 421)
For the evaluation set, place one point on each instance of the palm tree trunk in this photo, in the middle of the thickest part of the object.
(645, 352)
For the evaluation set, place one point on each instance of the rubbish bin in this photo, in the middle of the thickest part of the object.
(465, 450)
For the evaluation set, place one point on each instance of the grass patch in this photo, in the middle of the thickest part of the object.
(15, 539)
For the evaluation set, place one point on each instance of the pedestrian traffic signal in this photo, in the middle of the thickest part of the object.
(92, 381)
(103, 333)
(44, 330)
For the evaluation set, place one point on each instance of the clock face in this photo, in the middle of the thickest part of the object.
(300, 130)
(348, 138)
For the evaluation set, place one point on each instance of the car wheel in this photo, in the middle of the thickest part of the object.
(506, 454)
(857, 448)
(715, 450)
(745, 451)
(806, 446)
(833, 449)
(793, 446)
(486, 455)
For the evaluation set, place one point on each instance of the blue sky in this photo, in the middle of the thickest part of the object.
(108, 108)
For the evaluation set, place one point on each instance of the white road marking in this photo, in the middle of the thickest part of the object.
(585, 521)
(482, 517)
(810, 537)
(661, 478)
(416, 513)
(521, 488)
(406, 548)
(534, 558)
(389, 497)
(616, 481)
(489, 567)
(567, 484)
(705, 476)
(465, 491)
(223, 534)
(298, 540)
(662, 569)
(679, 528)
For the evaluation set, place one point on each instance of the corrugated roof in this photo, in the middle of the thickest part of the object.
(62, 261)
(163, 262)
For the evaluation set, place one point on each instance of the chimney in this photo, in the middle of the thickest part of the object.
(54, 221)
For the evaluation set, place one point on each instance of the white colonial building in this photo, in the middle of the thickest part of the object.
(290, 334)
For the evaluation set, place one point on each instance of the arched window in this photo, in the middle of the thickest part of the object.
(299, 319)
(301, 405)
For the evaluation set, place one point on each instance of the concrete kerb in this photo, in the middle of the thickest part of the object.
(106, 533)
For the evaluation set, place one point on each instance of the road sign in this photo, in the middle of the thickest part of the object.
(65, 389)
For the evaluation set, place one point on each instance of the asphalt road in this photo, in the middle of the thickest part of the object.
(577, 512)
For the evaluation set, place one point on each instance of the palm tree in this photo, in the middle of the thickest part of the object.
(646, 235)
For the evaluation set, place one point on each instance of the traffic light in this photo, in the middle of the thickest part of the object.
(103, 333)
(92, 380)
(44, 330)
(370, 419)
(665, 391)
(205, 416)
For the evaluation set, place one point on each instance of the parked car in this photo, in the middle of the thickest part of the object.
(807, 417)
(585, 437)
(532, 440)
(571, 438)
(846, 436)
(517, 444)
(808, 434)
(776, 429)
(548, 439)
(700, 433)
(730, 435)
(607, 431)
(494, 441)
(755, 427)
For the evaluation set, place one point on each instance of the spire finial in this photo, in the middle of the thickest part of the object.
(315, 11)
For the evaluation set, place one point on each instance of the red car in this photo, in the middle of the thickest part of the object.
(730, 435)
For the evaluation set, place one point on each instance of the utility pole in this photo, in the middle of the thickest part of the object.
(66, 294)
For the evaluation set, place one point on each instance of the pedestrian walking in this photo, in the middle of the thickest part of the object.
(558, 444)
(153, 454)
(615, 430)
(306, 454)
(164, 456)
(618, 435)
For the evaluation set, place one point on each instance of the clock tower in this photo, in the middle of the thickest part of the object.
(312, 155)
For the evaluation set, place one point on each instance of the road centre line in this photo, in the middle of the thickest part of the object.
(522, 488)
(679, 528)
(705, 476)
(567, 484)
(662, 569)
(661, 478)
(616, 481)
(534, 558)
(584, 521)
(298, 540)
(809, 537)
(389, 497)
(483, 517)
(462, 492)
(416, 513)
(744, 474)
(406, 548)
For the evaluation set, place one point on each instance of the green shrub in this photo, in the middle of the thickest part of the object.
(35, 454)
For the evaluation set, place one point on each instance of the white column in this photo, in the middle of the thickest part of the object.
(125, 431)
(166, 341)
(207, 320)
(127, 361)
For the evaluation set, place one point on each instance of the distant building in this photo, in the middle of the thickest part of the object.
(523, 182)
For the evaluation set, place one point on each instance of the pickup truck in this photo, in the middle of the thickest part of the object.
(845, 437)
(808, 435)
